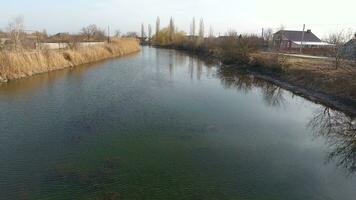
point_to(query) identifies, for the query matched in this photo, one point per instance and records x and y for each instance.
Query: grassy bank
(23, 63)
(316, 79)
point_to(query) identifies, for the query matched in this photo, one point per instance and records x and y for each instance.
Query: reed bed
(23, 63)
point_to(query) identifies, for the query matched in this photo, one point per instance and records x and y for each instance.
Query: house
(287, 40)
(349, 49)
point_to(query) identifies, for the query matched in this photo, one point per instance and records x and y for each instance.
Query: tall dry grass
(19, 64)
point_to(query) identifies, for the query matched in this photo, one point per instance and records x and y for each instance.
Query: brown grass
(15, 65)
(315, 74)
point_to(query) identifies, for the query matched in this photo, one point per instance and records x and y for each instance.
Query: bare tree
(158, 25)
(268, 36)
(201, 28)
(143, 32)
(211, 32)
(149, 33)
(89, 31)
(93, 32)
(337, 40)
(117, 33)
(192, 28)
(339, 131)
(16, 30)
(171, 29)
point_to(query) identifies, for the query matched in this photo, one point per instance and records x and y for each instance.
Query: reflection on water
(337, 128)
(272, 94)
(32, 83)
(340, 133)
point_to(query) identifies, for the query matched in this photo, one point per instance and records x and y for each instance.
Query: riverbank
(315, 79)
(20, 64)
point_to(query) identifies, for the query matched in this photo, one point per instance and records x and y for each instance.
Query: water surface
(164, 125)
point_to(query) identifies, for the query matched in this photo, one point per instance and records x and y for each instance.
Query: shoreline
(344, 105)
(18, 65)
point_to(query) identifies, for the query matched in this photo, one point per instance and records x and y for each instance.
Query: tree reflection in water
(232, 78)
(338, 128)
(340, 133)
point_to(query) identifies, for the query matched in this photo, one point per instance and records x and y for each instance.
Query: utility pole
(263, 32)
(302, 40)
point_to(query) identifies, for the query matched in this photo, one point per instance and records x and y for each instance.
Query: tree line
(233, 47)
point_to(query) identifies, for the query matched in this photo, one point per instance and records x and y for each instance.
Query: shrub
(274, 62)
(236, 49)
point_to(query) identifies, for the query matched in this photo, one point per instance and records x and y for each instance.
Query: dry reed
(15, 65)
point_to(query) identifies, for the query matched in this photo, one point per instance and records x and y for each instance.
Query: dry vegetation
(22, 63)
(313, 74)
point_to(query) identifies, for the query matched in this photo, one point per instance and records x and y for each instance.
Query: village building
(349, 49)
(288, 40)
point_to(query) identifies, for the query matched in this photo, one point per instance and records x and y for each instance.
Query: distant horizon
(244, 17)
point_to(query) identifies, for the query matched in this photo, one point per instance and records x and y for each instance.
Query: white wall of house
(297, 44)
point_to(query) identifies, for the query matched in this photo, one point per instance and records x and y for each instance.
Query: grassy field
(23, 63)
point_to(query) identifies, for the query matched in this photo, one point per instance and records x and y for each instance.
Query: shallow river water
(161, 124)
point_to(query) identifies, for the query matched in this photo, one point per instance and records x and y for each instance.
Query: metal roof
(297, 36)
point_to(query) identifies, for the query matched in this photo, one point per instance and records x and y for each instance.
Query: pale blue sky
(322, 16)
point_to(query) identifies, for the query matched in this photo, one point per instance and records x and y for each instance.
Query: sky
(248, 16)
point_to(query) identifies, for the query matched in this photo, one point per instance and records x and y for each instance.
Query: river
(161, 124)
